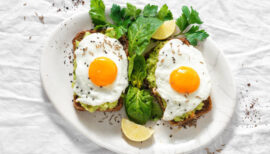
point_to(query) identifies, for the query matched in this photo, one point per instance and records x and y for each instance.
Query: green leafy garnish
(137, 70)
(97, 12)
(116, 32)
(182, 22)
(150, 10)
(138, 105)
(164, 13)
(156, 112)
(194, 37)
(189, 17)
(131, 11)
(117, 14)
(140, 33)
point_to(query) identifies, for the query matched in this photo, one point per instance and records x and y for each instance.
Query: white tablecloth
(30, 124)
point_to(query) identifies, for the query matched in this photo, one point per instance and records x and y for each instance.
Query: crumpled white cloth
(29, 123)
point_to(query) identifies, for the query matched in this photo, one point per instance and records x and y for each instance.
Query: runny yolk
(184, 80)
(102, 71)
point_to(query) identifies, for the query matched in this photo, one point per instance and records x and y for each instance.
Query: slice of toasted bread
(78, 37)
(191, 121)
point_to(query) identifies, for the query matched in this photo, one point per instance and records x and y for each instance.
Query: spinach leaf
(97, 12)
(164, 13)
(150, 10)
(140, 33)
(137, 70)
(156, 112)
(138, 104)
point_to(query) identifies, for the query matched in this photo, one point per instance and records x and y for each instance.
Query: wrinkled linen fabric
(29, 124)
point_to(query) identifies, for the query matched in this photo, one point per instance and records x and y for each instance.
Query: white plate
(56, 82)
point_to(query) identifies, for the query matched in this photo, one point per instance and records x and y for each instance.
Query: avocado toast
(188, 118)
(106, 107)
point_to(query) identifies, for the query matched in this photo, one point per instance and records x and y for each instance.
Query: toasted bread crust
(79, 36)
(191, 121)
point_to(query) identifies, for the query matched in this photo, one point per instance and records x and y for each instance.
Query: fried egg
(101, 70)
(182, 78)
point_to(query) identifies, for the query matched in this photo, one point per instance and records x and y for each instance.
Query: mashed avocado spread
(151, 65)
(90, 108)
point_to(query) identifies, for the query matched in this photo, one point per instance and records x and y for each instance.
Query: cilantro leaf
(194, 37)
(97, 12)
(140, 33)
(164, 13)
(150, 10)
(131, 11)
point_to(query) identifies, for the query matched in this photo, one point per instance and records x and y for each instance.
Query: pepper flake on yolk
(102, 71)
(184, 80)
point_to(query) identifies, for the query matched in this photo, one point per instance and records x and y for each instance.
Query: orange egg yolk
(102, 71)
(184, 80)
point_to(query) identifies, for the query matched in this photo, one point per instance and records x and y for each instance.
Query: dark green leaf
(137, 70)
(156, 112)
(97, 12)
(150, 10)
(140, 33)
(164, 13)
(116, 14)
(186, 11)
(193, 38)
(182, 22)
(194, 17)
(193, 29)
(138, 105)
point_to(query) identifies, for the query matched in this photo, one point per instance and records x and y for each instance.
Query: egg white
(171, 56)
(93, 46)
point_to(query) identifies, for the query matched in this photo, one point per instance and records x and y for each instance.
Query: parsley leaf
(150, 10)
(194, 17)
(194, 37)
(140, 33)
(131, 11)
(189, 17)
(182, 22)
(97, 12)
(164, 13)
(116, 14)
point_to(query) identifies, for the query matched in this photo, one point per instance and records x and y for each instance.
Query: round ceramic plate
(105, 128)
